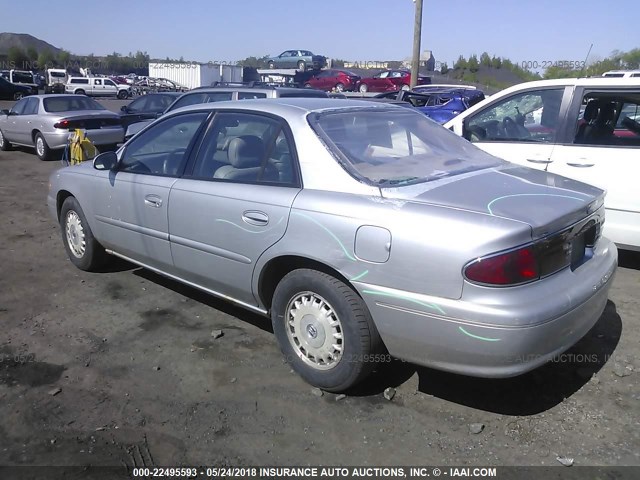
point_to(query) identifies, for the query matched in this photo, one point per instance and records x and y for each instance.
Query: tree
(460, 64)
(485, 59)
(64, 58)
(17, 58)
(496, 62)
(32, 53)
(473, 64)
(45, 60)
(444, 68)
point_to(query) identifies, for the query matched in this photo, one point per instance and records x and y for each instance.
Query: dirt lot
(121, 368)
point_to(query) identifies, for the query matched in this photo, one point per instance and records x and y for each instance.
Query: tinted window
(609, 119)
(524, 117)
(110, 83)
(139, 104)
(22, 77)
(304, 92)
(19, 107)
(80, 80)
(67, 104)
(393, 147)
(202, 97)
(31, 107)
(246, 148)
(161, 150)
(250, 95)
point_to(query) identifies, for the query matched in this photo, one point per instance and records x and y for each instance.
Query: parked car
(440, 86)
(300, 59)
(45, 121)
(540, 124)
(12, 91)
(146, 107)
(362, 230)
(622, 74)
(389, 81)
(24, 78)
(222, 93)
(56, 80)
(97, 87)
(333, 79)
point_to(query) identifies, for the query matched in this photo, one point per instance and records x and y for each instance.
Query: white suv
(583, 128)
(97, 87)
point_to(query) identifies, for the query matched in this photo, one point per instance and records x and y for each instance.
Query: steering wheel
(172, 162)
(510, 127)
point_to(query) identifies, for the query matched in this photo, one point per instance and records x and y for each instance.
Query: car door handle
(253, 217)
(580, 165)
(535, 160)
(153, 201)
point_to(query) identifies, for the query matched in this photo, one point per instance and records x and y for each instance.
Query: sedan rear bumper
(103, 136)
(446, 335)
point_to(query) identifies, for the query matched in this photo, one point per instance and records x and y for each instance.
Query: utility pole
(417, 35)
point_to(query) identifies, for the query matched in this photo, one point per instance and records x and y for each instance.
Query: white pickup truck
(97, 87)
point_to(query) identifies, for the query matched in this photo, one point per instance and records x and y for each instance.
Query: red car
(390, 80)
(341, 80)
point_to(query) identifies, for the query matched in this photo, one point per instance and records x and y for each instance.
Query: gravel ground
(121, 368)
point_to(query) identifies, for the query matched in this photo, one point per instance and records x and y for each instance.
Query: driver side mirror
(5, 112)
(106, 161)
(124, 108)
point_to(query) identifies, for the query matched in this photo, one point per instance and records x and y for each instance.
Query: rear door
(607, 155)
(522, 127)
(233, 202)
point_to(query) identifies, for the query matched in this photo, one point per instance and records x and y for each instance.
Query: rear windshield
(391, 146)
(203, 97)
(70, 104)
(58, 74)
(304, 92)
(22, 77)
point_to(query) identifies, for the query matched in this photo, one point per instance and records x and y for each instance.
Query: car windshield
(391, 147)
(70, 104)
(58, 74)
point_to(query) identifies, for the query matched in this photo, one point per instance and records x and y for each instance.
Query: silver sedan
(363, 231)
(45, 121)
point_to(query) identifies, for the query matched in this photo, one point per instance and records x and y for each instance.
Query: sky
(354, 30)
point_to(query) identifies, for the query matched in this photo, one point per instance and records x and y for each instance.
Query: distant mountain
(25, 41)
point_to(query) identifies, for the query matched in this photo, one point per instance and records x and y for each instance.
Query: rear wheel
(363, 88)
(324, 329)
(5, 146)
(405, 87)
(42, 149)
(83, 249)
(272, 65)
(79, 92)
(302, 66)
(18, 95)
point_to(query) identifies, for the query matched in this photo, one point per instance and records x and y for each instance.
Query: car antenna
(584, 65)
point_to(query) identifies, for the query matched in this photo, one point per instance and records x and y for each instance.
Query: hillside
(24, 42)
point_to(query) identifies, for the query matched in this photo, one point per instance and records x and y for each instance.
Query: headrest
(608, 112)
(282, 146)
(591, 110)
(246, 151)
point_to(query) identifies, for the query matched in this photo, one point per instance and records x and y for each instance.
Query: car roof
(288, 105)
(245, 89)
(581, 82)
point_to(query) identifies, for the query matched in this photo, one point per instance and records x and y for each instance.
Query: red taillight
(61, 124)
(511, 268)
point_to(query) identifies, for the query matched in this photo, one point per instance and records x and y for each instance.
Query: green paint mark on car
(477, 337)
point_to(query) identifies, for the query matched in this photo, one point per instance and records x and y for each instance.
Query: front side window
(202, 97)
(246, 148)
(393, 147)
(19, 107)
(524, 117)
(139, 104)
(161, 149)
(110, 83)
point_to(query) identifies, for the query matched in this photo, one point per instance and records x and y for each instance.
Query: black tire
(18, 96)
(5, 146)
(302, 66)
(79, 92)
(122, 94)
(272, 65)
(92, 256)
(360, 341)
(363, 88)
(340, 87)
(42, 151)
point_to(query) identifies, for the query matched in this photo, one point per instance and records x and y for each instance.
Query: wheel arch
(276, 268)
(34, 132)
(60, 198)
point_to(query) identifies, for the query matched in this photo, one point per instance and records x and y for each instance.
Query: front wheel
(340, 87)
(363, 88)
(5, 146)
(324, 329)
(79, 92)
(405, 87)
(18, 95)
(122, 94)
(83, 249)
(272, 65)
(302, 66)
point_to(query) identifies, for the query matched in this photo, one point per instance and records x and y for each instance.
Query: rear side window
(609, 119)
(306, 93)
(84, 81)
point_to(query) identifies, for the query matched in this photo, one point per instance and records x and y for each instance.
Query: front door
(132, 206)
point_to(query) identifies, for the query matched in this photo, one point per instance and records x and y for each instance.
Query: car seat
(585, 128)
(246, 154)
